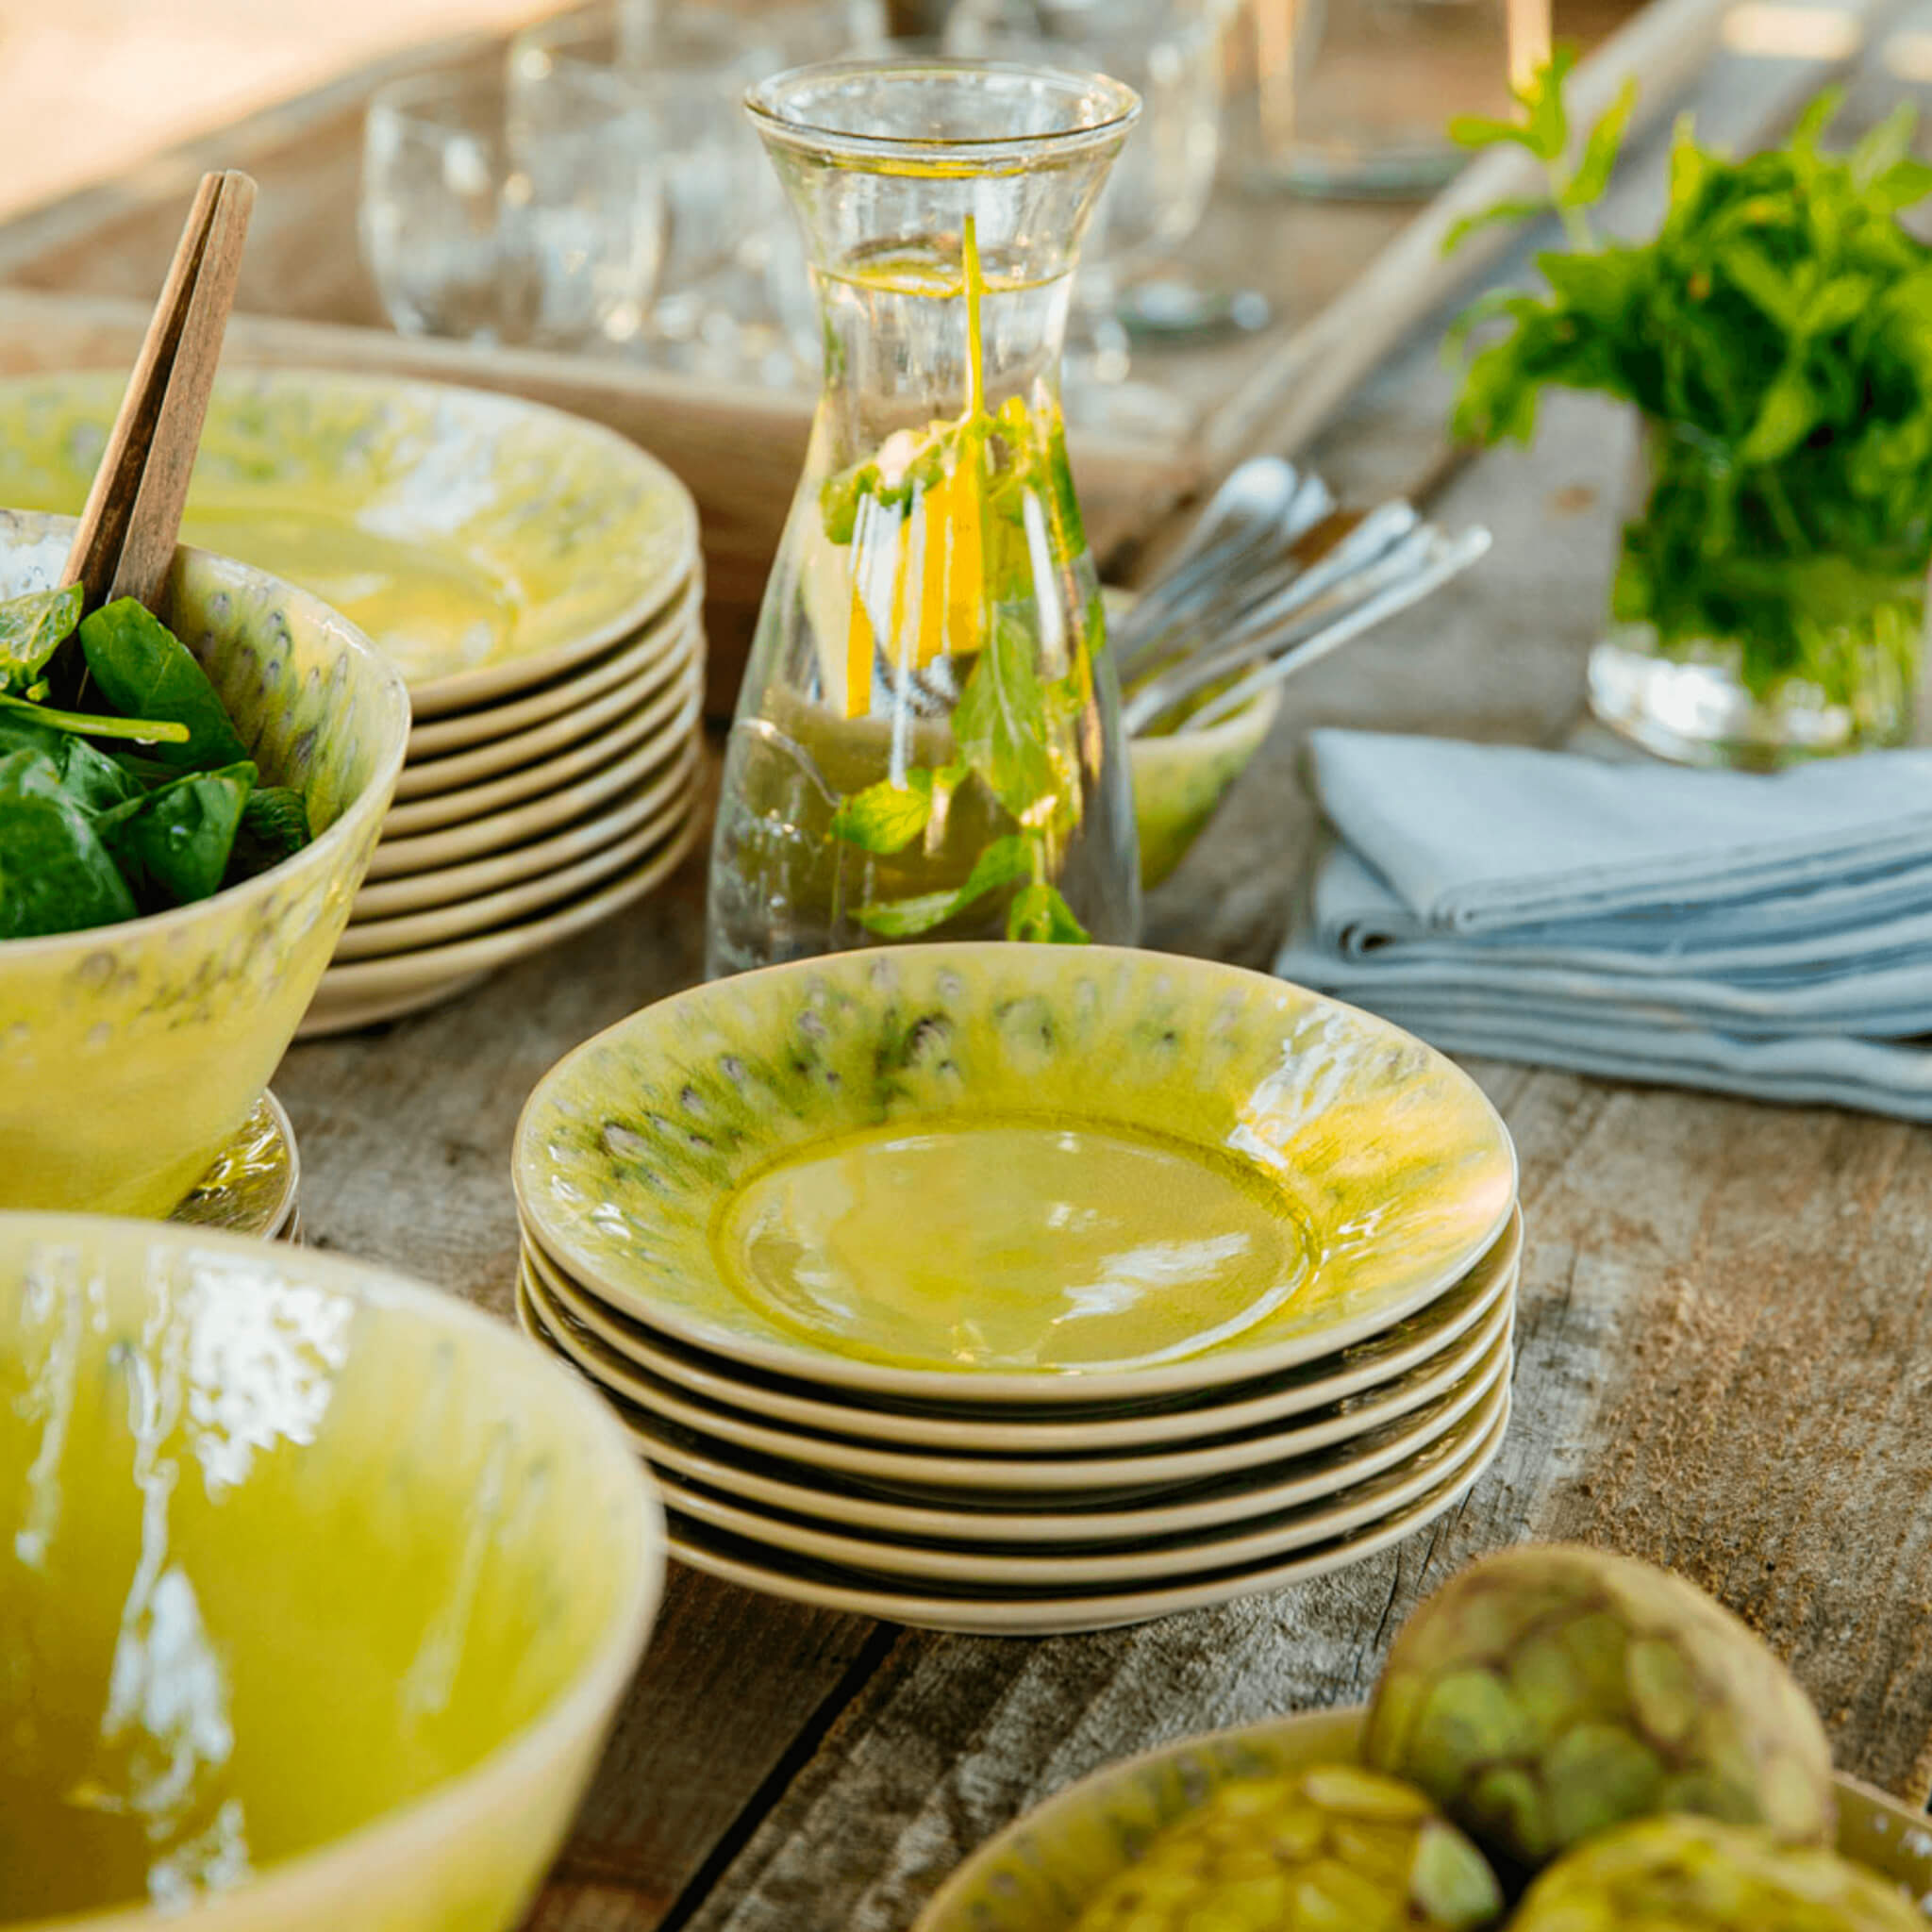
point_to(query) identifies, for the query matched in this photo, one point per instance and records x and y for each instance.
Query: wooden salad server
(132, 521)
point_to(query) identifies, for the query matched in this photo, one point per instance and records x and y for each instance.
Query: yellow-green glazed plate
(1040, 1872)
(1371, 1379)
(484, 543)
(1380, 1426)
(1014, 1612)
(130, 1054)
(321, 1586)
(251, 1187)
(997, 1173)
(1137, 1561)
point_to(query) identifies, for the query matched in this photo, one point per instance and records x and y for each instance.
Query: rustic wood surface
(1723, 1349)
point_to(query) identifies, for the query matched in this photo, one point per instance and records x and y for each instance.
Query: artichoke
(1690, 1875)
(1548, 1693)
(1331, 1849)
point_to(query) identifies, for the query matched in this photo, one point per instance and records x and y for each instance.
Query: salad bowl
(322, 1587)
(130, 1054)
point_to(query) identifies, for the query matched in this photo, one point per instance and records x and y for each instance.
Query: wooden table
(1724, 1345)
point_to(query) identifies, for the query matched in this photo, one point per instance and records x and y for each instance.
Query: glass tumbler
(532, 220)
(1353, 98)
(928, 742)
(691, 72)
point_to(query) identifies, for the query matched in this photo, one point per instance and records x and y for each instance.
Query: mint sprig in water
(94, 829)
(1004, 721)
(1775, 334)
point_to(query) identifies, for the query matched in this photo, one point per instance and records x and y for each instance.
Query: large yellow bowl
(320, 1591)
(130, 1055)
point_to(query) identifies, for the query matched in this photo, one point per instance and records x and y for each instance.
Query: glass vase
(1834, 664)
(928, 741)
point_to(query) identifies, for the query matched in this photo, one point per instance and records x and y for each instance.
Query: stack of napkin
(1759, 935)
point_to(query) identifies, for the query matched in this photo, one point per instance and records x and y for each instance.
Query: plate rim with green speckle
(627, 1144)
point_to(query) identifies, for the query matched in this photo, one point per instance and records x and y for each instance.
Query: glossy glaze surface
(296, 1626)
(466, 533)
(636, 1150)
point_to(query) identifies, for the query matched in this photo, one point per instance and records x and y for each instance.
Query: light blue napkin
(1767, 936)
(1476, 837)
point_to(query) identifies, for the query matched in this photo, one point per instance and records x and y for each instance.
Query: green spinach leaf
(93, 780)
(144, 671)
(56, 876)
(173, 843)
(31, 629)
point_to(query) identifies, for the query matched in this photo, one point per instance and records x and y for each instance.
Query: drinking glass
(691, 70)
(1353, 98)
(534, 222)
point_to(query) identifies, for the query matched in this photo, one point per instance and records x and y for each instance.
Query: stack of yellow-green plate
(536, 576)
(1026, 1288)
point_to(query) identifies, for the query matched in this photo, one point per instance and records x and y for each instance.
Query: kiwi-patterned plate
(1040, 1872)
(486, 543)
(997, 1173)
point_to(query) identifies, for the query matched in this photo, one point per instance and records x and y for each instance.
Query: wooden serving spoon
(132, 521)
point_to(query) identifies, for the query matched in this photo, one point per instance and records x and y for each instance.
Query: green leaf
(1820, 111)
(1787, 414)
(144, 671)
(31, 630)
(886, 817)
(1548, 128)
(1752, 272)
(1040, 914)
(1903, 186)
(1690, 169)
(1479, 130)
(999, 724)
(55, 873)
(173, 843)
(1606, 143)
(277, 815)
(94, 781)
(1502, 212)
(275, 826)
(1002, 862)
(149, 731)
(1884, 146)
(1837, 304)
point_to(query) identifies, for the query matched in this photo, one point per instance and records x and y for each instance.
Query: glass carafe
(928, 742)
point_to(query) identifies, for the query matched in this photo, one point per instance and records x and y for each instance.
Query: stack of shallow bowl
(1027, 1288)
(535, 578)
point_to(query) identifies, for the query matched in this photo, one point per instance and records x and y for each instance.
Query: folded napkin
(1758, 935)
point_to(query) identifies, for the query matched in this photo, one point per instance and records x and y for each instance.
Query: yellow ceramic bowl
(1180, 780)
(1038, 1875)
(321, 1590)
(131, 1053)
